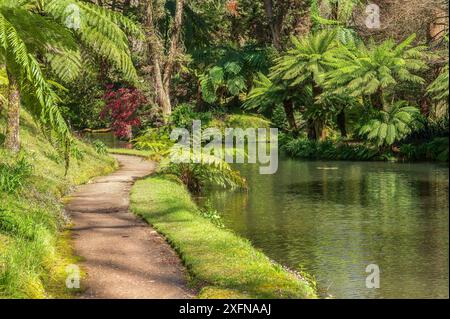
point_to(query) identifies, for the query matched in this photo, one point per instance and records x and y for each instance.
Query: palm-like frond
(265, 94)
(201, 168)
(34, 84)
(306, 60)
(100, 29)
(439, 88)
(391, 125)
(231, 71)
(35, 34)
(365, 70)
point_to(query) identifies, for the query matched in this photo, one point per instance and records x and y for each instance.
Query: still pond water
(335, 218)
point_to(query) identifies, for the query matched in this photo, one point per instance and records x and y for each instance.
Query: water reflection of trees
(336, 221)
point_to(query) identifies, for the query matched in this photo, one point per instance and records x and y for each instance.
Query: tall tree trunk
(176, 34)
(276, 41)
(163, 75)
(12, 141)
(200, 104)
(311, 130)
(155, 49)
(276, 20)
(377, 100)
(289, 110)
(321, 131)
(425, 106)
(316, 127)
(341, 123)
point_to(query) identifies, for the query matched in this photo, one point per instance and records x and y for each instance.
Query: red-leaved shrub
(121, 108)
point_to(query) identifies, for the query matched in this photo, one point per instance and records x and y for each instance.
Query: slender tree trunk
(155, 49)
(311, 130)
(276, 41)
(176, 34)
(12, 141)
(276, 20)
(320, 130)
(289, 110)
(316, 127)
(341, 123)
(377, 100)
(163, 75)
(200, 104)
(424, 106)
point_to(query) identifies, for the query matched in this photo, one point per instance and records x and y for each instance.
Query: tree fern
(101, 30)
(229, 75)
(203, 169)
(306, 60)
(391, 125)
(439, 88)
(35, 86)
(38, 28)
(374, 69)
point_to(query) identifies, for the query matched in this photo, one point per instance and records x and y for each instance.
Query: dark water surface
(335, 218)
(109, 139)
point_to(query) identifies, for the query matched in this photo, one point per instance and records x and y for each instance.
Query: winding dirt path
(122, 255)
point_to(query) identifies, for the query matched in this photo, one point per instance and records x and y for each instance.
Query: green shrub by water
(100, 147)
(329, 150)
(436, 150)
(183, 115)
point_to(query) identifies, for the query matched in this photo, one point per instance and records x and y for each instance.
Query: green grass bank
(221, 264)
(34, 248)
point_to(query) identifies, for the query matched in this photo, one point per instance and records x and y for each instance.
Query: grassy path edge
(220, 263)
(35, 243)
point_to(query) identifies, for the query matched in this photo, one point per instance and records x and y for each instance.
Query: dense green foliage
(309, 68)
(329, 150)
(391, 125)
(335, 88)
(201, 170)
(33, 29)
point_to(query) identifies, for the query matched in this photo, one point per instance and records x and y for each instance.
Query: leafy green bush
(436, 150)
(428, 129)
(100, 147)
(328, 150)
(156, 141)
(246, 121)
(203, 169)
(13, 175)
(183, 115)
(391, 125)
(279, 118)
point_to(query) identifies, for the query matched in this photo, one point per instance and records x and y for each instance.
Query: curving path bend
(122, 255)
